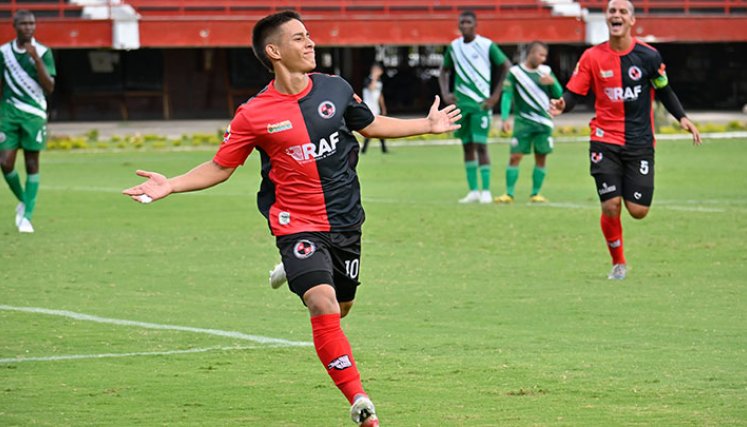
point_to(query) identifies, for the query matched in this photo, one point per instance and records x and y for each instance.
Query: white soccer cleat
(471, 197)
(25, 226)
(277, 276)
(20, 210)
(618, 272)
(363, 412)
(486, 197)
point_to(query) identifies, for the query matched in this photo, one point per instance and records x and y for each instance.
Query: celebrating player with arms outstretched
(302, 125)
(624, 74)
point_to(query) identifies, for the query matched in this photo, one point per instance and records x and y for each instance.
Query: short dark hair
(468, 13)
(265, 28)
(20, 14)
(535, 43)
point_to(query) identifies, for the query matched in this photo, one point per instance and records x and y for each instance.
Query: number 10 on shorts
(352, 267)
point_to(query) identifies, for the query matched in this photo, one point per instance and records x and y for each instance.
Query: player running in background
(529, 86)
(302, 125)
(27, 75)
(472, 58)
(373, 96)
(624, 74)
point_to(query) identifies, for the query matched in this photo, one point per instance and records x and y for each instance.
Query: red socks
(613, 234)
(334, 351)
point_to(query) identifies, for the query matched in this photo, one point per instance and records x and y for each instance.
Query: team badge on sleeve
(227, 134)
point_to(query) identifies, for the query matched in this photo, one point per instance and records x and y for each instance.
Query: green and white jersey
(472, 64)
(531, 99)
(21, 87)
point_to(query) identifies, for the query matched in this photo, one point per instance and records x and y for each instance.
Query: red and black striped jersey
(623, 84)
(308, 152)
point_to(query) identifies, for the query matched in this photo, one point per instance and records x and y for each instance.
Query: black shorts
(623, 171)
(316, 258)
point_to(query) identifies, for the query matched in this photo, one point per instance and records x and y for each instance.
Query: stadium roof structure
(131, 24)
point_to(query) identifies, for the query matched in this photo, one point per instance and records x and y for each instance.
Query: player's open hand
(444, 120)
(689, 126)
(557, 106)
(156, 187)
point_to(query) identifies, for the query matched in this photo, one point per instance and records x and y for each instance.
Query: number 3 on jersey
(352, 267)
(484, 122)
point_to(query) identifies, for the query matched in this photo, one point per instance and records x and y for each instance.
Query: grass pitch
(468, 315)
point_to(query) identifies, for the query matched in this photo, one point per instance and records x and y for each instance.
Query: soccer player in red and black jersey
(625, 75)
(301, 124)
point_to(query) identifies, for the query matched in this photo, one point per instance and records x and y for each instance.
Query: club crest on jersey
(596, 157)
(326, 109)
(279, 127)
(304, 249)
(606, 74)
(634, 73)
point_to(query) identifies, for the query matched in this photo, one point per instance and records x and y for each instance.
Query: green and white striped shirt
(531, 98)
(472, 63)
(21, 87)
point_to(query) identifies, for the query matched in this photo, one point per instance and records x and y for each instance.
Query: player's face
(296, 47)
(537, 56)
(467, 26)
(620, 18)
(25, 28)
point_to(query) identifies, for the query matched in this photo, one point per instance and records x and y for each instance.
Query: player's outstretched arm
(438, 121)
(158, 186)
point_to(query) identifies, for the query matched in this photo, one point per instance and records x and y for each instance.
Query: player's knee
(611, 207)
(321, 300)
(515, 159)
(345, 308)
(638, 212)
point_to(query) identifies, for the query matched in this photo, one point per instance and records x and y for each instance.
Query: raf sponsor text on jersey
(309, 151)
(618, 94)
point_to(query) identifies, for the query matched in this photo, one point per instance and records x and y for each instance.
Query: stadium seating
(335, 7)
(41, 8)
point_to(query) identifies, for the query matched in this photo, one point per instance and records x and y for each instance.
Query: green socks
(512, 175)
(538, 176)
(14, 182)
(471, 169)
(29, 196)
(485, 176)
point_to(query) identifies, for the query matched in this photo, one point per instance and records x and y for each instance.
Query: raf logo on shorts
(304, 249)
(596, 157)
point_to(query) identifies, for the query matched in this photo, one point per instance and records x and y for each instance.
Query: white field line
(217, 332)
(111, 355)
